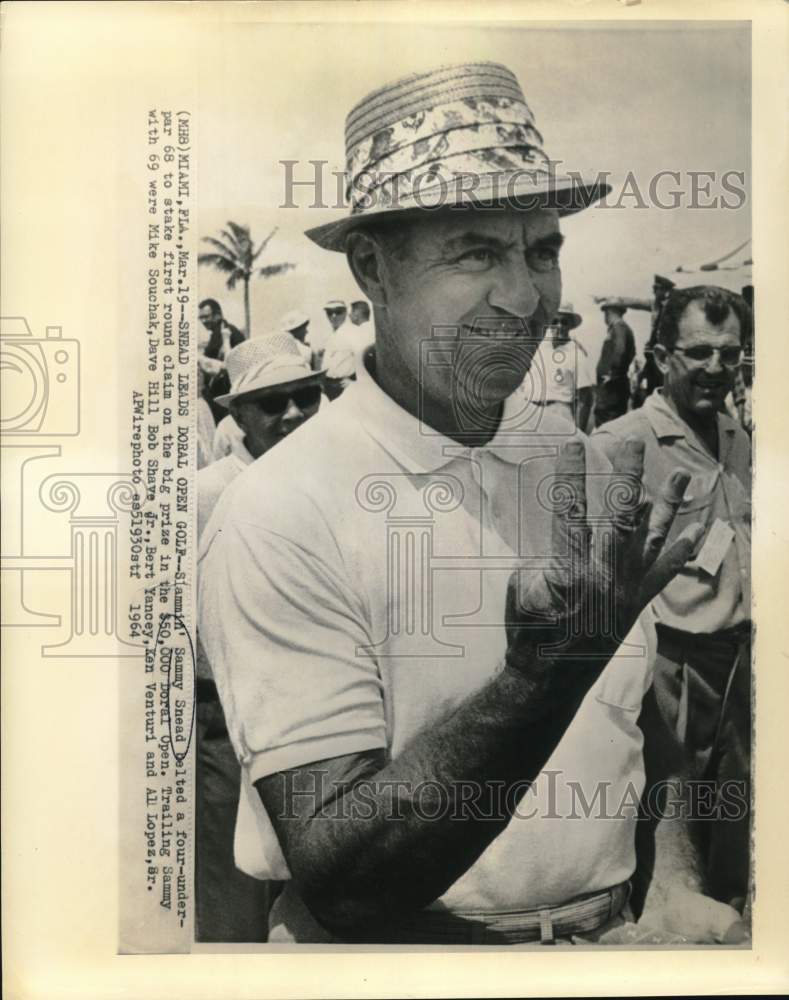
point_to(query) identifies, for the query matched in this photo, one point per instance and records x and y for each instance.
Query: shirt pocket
(696, 508)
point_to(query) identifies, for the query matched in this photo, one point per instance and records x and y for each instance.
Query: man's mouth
(509, 329)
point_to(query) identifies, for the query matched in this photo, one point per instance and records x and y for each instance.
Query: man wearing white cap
(562, 375)
(272, 392)
(297, 324)
(423, 661)
(342, 355)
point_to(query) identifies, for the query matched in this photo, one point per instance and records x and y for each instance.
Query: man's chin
(708, 402)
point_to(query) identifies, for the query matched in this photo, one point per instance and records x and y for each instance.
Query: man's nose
(714, 365)
(514, 289)
(292, 414)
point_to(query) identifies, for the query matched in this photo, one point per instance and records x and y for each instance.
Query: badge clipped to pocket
(716, 545)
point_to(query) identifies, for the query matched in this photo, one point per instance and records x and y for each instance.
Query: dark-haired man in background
(703, 669)
(223, 338)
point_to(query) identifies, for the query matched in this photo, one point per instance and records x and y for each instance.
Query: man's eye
(476, 260)
(542, 258)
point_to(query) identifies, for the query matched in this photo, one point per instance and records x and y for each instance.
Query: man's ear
(365, 260)
(237, 415)
(661, 358)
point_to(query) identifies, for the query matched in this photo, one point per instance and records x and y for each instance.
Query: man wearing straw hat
(273, 391)
(404, 604)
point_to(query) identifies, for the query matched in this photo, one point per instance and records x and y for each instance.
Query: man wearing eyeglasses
(703, 670)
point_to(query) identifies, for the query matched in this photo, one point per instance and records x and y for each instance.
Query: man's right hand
(583, 607)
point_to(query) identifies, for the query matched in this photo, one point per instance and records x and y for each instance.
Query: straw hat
(454, 135)
(263, 362)
(566, 309)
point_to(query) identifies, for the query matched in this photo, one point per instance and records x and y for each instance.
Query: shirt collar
(667, 423)
(239, 450)
(419, 448)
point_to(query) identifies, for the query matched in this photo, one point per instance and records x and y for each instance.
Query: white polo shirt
(351, 594)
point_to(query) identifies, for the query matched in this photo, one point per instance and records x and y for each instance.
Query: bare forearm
(398, 838)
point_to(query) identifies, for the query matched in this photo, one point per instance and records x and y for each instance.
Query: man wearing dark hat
(619, 348)
(648, 376)
(401, 595)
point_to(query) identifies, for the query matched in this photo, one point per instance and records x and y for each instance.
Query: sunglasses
(335, 312)
(702, 353)
(276, 404)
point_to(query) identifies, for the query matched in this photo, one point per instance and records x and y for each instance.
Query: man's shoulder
(309, 473)
(729, 425)
(632, 424)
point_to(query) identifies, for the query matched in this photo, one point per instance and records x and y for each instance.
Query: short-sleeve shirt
(213, 480)
(697, 600)
(352, 587)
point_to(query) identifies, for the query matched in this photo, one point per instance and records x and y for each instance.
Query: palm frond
(217, 260)
(264, 244)
(271, 269)
(223, 248)
(241, 234)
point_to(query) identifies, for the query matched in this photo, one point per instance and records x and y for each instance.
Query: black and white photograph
(474, 602)
(392, 559)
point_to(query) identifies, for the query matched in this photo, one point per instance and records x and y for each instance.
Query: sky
(624, 98)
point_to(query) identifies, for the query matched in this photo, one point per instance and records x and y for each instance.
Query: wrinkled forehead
(507, 225)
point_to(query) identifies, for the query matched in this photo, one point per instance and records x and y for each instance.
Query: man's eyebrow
(468, 239)
(551, 241)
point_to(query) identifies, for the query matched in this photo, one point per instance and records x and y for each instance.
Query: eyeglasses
(335, 312)
(276, 404)
(701, 354)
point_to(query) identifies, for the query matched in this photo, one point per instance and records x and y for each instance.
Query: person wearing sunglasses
(273, 391)
(703, 668)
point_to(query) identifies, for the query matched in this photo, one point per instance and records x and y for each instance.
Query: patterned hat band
(456, 135)
(431, 142)
(466, 178)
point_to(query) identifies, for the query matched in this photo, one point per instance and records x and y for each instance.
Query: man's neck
(442, 416)
(704, 427)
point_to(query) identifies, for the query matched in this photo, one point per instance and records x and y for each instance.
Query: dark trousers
(703, 690)
(611, 399)
(231, 906)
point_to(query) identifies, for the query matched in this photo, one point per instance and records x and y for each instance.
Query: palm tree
(235, 256)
